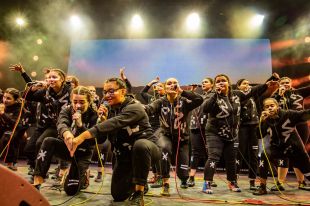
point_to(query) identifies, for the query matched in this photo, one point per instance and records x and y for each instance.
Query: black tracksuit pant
(198, 147)
(248, 149)
(169, 151)
(52, 146)
(291, 150)
(13, 153)
(216, 147)
(105, 148)
(132, 167)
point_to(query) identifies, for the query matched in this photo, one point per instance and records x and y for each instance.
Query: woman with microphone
(173, 110)
(73, 120)
(223, 108)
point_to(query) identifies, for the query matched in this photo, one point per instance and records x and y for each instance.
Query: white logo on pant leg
(212, 164)
(261, 163)
(237, 162)
(41, 155)
(102, 156)
(165, 156)
(281, 162)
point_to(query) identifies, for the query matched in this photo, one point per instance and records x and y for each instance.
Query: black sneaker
(184, 184)
(278, 187)
(38, 187)
(99, 177)
(30, 171)
(136, 198)
(252, 185)
(206, 187)
(165, 191)
(158, 183)
(191, 181)
(261, 190)
(213, 184)
(233, 186)
(304, 186)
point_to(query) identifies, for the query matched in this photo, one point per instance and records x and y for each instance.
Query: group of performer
(174, 126)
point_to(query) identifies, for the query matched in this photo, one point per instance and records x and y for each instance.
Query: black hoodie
(126, 123)
(224, 112)
(174, 116)
(282, 128)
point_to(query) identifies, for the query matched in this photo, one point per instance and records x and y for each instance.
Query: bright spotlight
(20, 21)
(75, 21)
(307, 39)
(136, 22)
(39, 41)
(257, 20)
(35, 58)
(193, 22)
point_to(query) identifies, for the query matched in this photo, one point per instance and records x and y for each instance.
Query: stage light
(76, 22)
(307, 39)
(33, 74)
(35, 58)
(193, 22)
(257, 20)
(20, 21)
(136, 22)
(39, 41)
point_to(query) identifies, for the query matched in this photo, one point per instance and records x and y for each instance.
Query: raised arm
(20, 68)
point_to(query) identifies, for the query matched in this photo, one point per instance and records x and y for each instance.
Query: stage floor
(191, 196)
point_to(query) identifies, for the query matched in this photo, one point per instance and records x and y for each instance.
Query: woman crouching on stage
(128, 129)
(73, 120)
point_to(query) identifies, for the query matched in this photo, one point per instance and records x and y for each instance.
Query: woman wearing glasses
(127, 127)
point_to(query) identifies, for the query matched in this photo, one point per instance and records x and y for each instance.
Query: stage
(191, 196)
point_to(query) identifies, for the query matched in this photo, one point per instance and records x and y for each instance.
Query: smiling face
(113, 94)
(286, 83)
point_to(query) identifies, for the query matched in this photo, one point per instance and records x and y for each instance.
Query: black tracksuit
(174, 130)
(53, 146)
(285, 142)
(197, 135)
(154, 118)
(7, 122)
(294, 99)
(50, 105)
(222, 129)
(248, 140)
(130, 133)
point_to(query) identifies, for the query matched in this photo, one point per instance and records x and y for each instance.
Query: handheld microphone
(106, 104)
(35, 83)
(195, 85)
(74, 121)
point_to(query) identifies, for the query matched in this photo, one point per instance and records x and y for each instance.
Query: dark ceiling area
(110, 17)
